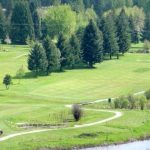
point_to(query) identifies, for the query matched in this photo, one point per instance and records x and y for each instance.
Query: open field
(42, 100)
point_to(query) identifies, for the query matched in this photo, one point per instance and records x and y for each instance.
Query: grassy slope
(47, 95)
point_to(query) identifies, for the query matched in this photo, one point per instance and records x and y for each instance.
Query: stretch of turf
(42, 100)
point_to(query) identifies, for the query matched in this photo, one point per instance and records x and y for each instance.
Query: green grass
(136, 47)
(39, 100)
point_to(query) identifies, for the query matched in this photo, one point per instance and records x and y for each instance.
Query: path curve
(117, 115)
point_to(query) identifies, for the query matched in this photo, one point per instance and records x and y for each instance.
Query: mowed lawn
(39, 100)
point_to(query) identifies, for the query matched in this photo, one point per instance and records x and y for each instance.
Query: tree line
(23, 20)
(106, 37)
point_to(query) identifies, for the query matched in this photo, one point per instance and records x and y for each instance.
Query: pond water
(140, 145)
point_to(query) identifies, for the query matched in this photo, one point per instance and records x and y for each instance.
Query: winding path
(117, 115)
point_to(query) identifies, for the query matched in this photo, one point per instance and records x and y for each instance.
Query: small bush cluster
(130, 102)
(147, 94)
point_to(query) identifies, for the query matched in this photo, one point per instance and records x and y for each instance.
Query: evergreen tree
(74, 55)
(21, 23)
(92, 44)
(3, 31)
(36, 20)
(62, 44)
(9, 7)
(146, 31)
(135, 35)
(52, 54)
(37, 60)
(110, 36)
(123, 32)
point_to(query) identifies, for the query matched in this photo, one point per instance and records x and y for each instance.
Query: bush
(147, 94)
(121, 102)
(125, 103)
(117, 103)
(147, 46)
(142, 102)
(132, 100)
(7, 80)
(77, 112)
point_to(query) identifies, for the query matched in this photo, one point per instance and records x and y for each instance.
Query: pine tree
(37, 60)
(75, 54)
(123, 32)
(36, 20)
(92, 44)
(52, 54)
(146, 31)
(21, 23)
(135, 35)
(62, 45)
(10, 5)
(110, 36)
(3, 31)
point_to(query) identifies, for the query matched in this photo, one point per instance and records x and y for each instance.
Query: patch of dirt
(87, 135)
(39, 125)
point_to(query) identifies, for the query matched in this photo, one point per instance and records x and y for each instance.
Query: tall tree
(92, 44)
(146, 31)
(37, 60)
(135, 35)
(3, 31)
(52, 54)
(74, 54)
(110, 36)
(62, 44)
(36, 20)
(123, 32)
(60, 20)
(21, 23)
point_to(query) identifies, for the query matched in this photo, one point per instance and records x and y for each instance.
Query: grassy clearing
(136, 47)
(38, 100)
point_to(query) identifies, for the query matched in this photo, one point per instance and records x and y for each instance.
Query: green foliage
(147, 46)
(75, 53)
(62, 45)
(92, 44)
(147, 94)
(146, 31)
(52, 54)
(37, 60)
(121, 102)
(142, 102)
(21, 23)
(36, 20)
(123, 32)
(3, 30)
(110, 36)
(7, 81)
(60, 19)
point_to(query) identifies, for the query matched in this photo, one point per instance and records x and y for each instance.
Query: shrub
(147, 94)
(132, 101)
(125, 103)
(77, 112)
(121, 102)
(7, 81)
(142, 102)
(117, 103)
(147, 46)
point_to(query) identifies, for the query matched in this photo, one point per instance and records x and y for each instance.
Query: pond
(139, 145)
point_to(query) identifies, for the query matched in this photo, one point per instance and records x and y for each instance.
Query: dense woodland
(73, 33)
